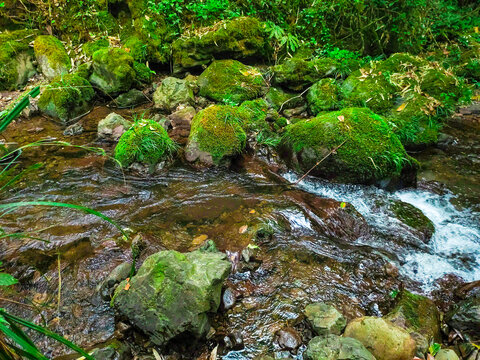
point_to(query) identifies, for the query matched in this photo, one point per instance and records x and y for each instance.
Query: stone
(171, 93)
(334, 347)
(324, 95)
(446, 354)
(120, 273)
(74, 129)
(130, 99)
(325, 319)
(52, 58)
(288, 339)
(112, 127)
(383, 339)
(173, 293)
(280, 99)
(228, 298)
(465, 317)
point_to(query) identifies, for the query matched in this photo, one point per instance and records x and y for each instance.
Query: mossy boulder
(173, 294)
(253, 115)
(145, 142)
(367, 150)
(420, 317)
(325, 319)
(324, 95)
(113, 71)
(143, 74)
(52, 58)
(16, 59)
(171, 93)
(371, 88)
(241, 39)
(131, 99)
(401, 62)
(216, 134)
(66, 97)
(90, 48)
(281, 100)
(441, 84)
(414, 218)
(334, 347)
(296, 74)
(383, 339)
(231, 82)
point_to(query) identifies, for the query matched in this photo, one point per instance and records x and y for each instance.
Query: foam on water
(454, 247)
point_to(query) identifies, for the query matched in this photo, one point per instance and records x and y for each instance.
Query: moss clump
(296, 74)
(240, 38)
(91, 47)
(253, 114)
(277, 98)
(15, 59)
(413, 217)
(136, 48)
(441, 84)
(66, 97)
(323, 95)
(231, 82)
(143, 74)
(51, 55)
(401, 62)
(218, 131)
(84, 70)
(113, 71)
(145, 142)
(370, 150)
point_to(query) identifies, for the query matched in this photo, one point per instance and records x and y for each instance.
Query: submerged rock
(66, 97)
(414, 218)
(171, 93)
(288, 338)
(325, 319)
(52, 58)
(231, 82)
(173, 293)
(112, 127)
(16, 59)
(383, 339)
(333, 347)
(368, 150)
(113, 71)
(240, 38)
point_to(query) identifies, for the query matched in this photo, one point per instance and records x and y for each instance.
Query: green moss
(323, 95)
(145, 142)
(143, 74)
(401, 62)
(113, 71)
(149, 39)
(253, 114)
(91, 47)
(53, 49)
(278, 98)
(441, 85)
(135, 47)
(84, 70)
(413, 217)
(370, 150)
(15, 52)
(231, 82)
(218, 131)
(66, 97)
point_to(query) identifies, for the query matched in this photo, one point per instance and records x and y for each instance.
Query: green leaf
(434, 349)
(7, 279)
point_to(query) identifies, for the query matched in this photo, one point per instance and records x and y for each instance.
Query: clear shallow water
(454, 247)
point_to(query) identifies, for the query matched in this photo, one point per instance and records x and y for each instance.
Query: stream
(317, 241)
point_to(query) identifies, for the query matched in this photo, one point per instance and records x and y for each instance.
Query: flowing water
(317, 241)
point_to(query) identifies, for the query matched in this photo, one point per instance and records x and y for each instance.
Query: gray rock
(112, 127)
(171, 93)
(446, 354)
(228, 298)
(74, 129)
(120, 273)
(465, 317)
(130, 99)
(334, 347)
(193, 153)
(173, 293)
(325, 319)
(288, 339)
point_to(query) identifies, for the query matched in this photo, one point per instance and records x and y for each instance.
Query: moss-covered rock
(143, 74)
(441, 84)
(52, 58)
(420, 317)
(16, 56)
(136, 48)
(401, 62)
(464, 316)
(171, 93)
(84, 70)
(146, 142)
(296, 74)
(323, 95)
(231, 82)
(90, 48)
(254, 116)
(66, 97)
(216, 133)
(280, 99)
(368, 149)
(241, 38)
(325, 319)
(414, 218)
(113, 71)
(173, 293)
(334, 347)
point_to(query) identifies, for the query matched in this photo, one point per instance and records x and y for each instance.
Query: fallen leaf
(402, 107)
(243, 229)
(199, 239)
(343, 205)
(213, 355)
(341, 118)
(252, 211)
(477, 29)
(127, 286)
(127, 50)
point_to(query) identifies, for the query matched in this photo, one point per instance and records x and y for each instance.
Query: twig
(319, 162)
(59, 283)
(17, 303)
(299, 95)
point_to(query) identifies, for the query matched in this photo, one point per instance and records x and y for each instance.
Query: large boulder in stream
(173, 293)
(358, 147)
(334, 347)
(383, 339)
(52, 58)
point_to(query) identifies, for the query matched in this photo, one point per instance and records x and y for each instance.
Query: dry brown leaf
(199, 239)
(402, 107)
(341, 118)
(243, 229)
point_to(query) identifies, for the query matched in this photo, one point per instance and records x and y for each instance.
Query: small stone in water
(288, 338)
(228, 298)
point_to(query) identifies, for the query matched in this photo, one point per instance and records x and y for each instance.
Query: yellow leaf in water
(341, 118)
(243, 229)
(252, 211)
(200, 239)
(402, 107)
(343, 204)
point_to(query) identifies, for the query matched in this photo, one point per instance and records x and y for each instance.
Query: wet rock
(288, 339)
(130, 99)
(325, 319)
(113, 71)
(240, 38)
(231, 82)
(297, 111)
(383, 339)
(228, 298)
(234, 341)
(151, 302)
(52, 58)
(446, 354)
(74, 129)
(465, 317)
(414, 218)
(115, 351)
(181, 121)
(112, 127)
(420, 317)
(333, 347)
(171, 93)
(120, 273)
